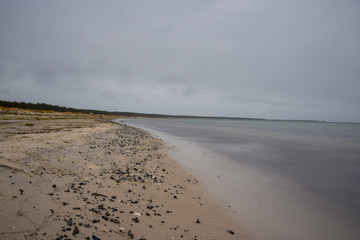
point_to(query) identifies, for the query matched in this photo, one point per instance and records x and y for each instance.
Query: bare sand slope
(89, 179)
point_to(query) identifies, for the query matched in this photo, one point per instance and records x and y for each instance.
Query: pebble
(76, 231)
(19, 213)
(230, 232)
(95, 237)
(69, 222)
(130, 234)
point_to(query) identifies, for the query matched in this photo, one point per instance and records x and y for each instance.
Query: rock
(135, 219)
(75, 231)
(230, 232)
(19, 213)
(95, 237)
(130, 234)
(101, 206)
(197, 220)
(69, 222)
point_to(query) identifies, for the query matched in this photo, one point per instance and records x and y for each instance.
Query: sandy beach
(76, 178)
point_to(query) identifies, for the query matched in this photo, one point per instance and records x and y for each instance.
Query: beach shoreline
(89, 178)
(267, 205)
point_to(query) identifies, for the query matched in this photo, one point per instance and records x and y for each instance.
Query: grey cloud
(284, 59)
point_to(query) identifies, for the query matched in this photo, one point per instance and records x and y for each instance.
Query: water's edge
(264, 204)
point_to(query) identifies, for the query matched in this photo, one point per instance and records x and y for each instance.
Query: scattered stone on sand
(106, 181)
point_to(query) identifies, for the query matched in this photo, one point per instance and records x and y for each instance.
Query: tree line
(56, 108)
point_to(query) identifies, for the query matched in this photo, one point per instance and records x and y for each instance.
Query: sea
(279, 179)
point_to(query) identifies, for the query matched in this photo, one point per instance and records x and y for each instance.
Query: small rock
(95, 237)
(76, 231)
(130, 234)
(197, 220)
(230, 232)
(69, 222)
(19, 213)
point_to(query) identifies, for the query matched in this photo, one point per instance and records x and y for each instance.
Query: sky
(279, 59)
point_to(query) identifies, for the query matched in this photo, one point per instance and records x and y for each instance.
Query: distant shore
(76, 178)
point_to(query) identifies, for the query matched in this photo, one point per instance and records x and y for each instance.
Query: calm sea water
(318, 158)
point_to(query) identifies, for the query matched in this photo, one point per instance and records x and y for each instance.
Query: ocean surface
(284, 179)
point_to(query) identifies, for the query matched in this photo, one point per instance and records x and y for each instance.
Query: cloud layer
(278, 59)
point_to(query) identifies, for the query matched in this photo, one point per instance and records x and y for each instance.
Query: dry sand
(94, 179)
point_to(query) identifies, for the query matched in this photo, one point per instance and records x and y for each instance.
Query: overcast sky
(283, 59)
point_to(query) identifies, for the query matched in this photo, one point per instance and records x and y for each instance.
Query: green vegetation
(56, 108)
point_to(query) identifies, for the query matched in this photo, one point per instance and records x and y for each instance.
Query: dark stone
(197, 220)
(230, 232)
(101, 206)
(69, 222)
(95, 237)
(130, 234)
(76, 231)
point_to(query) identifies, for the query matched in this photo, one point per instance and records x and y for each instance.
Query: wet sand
(94, 179)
